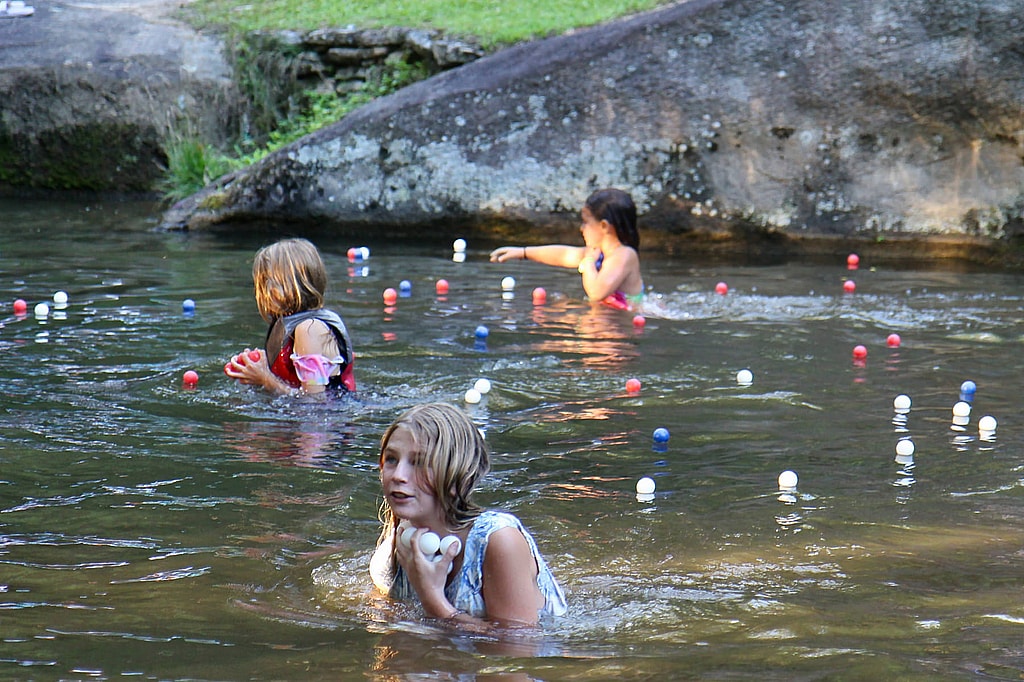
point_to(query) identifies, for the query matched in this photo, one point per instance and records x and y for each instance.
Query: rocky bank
(867, 120)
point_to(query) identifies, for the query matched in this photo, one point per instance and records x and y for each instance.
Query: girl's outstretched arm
(559, 255)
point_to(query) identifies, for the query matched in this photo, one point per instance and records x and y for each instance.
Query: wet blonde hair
(452, 458)
(289, 277)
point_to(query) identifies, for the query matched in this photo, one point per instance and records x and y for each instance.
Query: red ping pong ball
(190, 378)
(441, 287)
(254, 355)
(633, 385)
(227, 368)
(893, 340)
(722, 288)
(20, 306)
(852, 261)
(540, 296)
(639, 321)
(860, 352)
(390, 296)
(849, 286)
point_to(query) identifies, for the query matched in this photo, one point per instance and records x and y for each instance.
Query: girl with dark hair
(608, 261)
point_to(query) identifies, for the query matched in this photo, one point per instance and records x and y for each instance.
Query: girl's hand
(505, 253)
(426, 576)
(249, 367)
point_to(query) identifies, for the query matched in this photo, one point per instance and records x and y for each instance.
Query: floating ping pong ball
(661, 435)
(352, 253)
(405, 285)
(961, 409)
(788, 479)
(390, 296)
(968, 387)
(722, 288)
(987, 423)
(190, 378)
(60, 297)
(42, 310)
(447, 541)
(441, 287)
(905, 447)
(20, 306)
(540, 296)
(482, 332)
(508, 283)
(901, 402)
(187, 306)
(645, 486)
(744, 376)
(639, 321)
(364, 253)
(482, 386)
(459, 245)
(472, 396)
(633, 385)
(849, 286)
(860, 352)
(893, 340)
(853, 260)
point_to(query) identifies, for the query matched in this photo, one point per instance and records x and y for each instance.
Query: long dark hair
(618, 209)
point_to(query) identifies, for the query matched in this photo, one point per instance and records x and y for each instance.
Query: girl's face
(408, 493)
(592, 229)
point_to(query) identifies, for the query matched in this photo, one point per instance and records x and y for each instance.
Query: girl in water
(608, 261)
(469, 567)
(307, 348)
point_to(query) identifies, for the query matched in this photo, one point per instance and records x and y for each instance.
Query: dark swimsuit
(281, 341)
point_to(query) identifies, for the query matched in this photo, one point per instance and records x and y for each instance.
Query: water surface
(148, 530)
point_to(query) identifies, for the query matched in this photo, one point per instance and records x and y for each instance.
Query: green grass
(493, 22)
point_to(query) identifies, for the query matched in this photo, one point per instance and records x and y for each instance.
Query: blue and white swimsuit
(465, 591)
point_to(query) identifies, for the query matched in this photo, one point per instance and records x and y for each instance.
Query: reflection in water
(246, 522)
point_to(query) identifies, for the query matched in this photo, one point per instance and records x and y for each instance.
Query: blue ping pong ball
(661, 435)
(482, 332)
(968, 387)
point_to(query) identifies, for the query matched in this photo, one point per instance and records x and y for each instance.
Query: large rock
(857, 118)
(90, 93)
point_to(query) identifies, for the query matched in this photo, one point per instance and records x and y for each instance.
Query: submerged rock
(831, 118)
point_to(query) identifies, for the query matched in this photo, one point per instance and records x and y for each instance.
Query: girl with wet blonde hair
(307, 349)
(486, 569)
